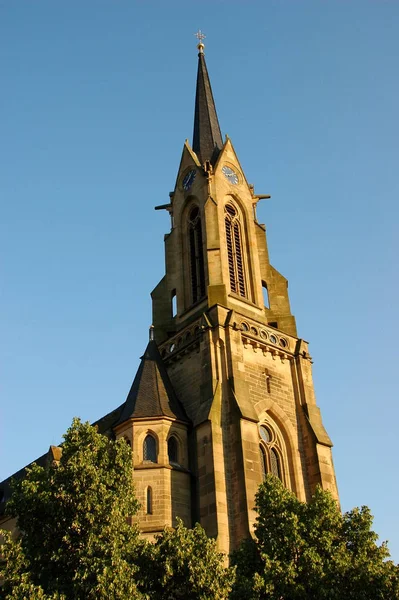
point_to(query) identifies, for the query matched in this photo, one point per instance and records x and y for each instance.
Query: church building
(224, 392)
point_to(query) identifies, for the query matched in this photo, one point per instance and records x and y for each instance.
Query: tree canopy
(312, 551)
(76, 541)
(76, 538)
(188, 565)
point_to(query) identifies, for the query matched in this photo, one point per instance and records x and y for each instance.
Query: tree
(311, 551)
(187, 565)
(75, 540)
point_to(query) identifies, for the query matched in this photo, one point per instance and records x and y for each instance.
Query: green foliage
(312, 552)
(188, 565)
(75, 540)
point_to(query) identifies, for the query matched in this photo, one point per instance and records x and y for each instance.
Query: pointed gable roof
(152, 394)
(207, 138)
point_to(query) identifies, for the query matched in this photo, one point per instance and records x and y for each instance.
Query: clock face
(189, 180)
(230, 175)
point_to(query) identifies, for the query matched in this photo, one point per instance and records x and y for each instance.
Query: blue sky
(97, 100)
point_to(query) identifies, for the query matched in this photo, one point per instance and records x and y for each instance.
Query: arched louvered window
(270, 452)
(150, 449)
(173, 450)
(149, 501)
(234, 251)
(197, 271)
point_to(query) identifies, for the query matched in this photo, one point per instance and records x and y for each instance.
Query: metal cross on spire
(200, 36)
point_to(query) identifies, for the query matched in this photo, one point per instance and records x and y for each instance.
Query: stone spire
(207, 138)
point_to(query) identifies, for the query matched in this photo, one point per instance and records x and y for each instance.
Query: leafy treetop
(312, 552)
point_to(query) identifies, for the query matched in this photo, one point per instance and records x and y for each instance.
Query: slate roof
(152, 394)
(207, 138)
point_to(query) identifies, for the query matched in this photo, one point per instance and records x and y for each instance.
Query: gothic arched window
(234, 251)
(173, 450)
(150, 449)
(196, 252)
(270, 452)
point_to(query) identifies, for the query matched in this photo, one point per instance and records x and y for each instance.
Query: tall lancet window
(234, 251)
(197, 270)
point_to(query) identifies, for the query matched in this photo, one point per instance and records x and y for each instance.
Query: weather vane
(200, 36)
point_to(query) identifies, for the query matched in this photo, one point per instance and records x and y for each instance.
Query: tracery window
(197, 271)
(150, 449)
(234, 251)
(270, 452)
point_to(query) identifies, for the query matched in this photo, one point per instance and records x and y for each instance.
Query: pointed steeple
(207, 138)
(152, 394)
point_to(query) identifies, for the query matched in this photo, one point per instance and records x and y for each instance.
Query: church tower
(228, 340)
(224, 392)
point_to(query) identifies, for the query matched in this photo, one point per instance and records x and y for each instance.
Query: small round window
(265, 434)
(244, 327)
(273, 339)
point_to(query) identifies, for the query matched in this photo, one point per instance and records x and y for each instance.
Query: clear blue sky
(97, 100)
